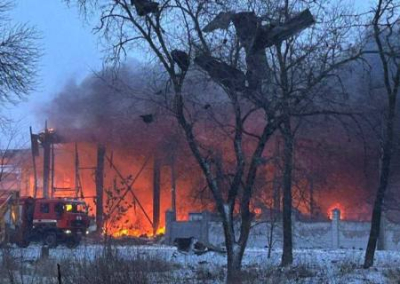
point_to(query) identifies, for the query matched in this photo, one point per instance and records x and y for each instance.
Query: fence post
(335, 228)
(204, 227)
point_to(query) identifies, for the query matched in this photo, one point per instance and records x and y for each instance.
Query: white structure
(332, 234)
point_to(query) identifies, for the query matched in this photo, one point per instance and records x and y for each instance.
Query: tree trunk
(276, 182)
(383, 183)
(276, 196)
(287, 253)
(312, 203)
(234, 265)
(234, 252)
(271, 233)
(234, 249)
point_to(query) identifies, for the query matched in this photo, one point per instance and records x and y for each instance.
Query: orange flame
(135, 233)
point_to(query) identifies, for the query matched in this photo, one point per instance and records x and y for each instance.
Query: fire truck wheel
(50, 239)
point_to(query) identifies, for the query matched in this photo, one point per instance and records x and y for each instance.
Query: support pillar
(156, 194)
(99, 179)
(335, 228)
(169, 226)
(46, 163)
(205, 220)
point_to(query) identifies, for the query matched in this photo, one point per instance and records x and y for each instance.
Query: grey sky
(70, 51)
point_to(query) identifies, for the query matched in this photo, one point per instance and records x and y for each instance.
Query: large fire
(129, 179)
(328, 169)
(133, 216)
(131, 210)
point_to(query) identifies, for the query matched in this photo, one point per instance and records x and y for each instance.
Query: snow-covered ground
(310, 266)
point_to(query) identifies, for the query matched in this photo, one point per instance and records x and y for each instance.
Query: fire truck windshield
(75, 208)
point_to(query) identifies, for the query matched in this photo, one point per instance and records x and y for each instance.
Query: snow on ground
(310, 266)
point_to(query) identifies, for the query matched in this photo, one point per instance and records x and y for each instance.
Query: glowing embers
(160, 231)
(127, 233)
(135, 233)
(257, 211)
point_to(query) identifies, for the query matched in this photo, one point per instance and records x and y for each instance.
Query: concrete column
(169, 221)
(204, 227)
(335, 228)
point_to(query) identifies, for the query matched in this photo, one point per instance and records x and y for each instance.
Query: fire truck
(52, 221)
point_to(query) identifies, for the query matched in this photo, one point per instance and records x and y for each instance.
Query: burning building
(115, 147)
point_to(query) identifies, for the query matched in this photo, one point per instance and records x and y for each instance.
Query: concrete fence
(333, 234)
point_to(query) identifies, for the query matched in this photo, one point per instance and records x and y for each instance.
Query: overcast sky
(70, 51)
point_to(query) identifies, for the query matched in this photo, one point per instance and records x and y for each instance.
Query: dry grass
(110, 266)
(107, 267)
(392, 275)
(205, 274)
(346, 267)
(117, 265)
(14, 269)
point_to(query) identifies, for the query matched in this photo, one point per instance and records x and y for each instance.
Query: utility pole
(312, 200)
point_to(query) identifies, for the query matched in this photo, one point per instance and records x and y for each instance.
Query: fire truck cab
(51, 221)
(54, 221)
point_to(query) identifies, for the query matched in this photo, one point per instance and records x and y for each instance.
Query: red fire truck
(51, 221)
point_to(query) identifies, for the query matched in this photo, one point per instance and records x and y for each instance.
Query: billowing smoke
(110, 108)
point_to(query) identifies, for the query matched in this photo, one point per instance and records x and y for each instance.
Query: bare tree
(18, 57)
(384, 35)
(13, 159)
(304, 75)
(170, 26)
